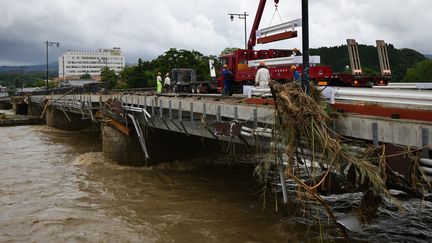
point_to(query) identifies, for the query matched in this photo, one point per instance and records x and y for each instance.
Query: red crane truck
(243, 63)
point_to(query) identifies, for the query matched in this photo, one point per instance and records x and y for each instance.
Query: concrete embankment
(18, 120)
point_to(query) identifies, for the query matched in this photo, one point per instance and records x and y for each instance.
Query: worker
(227, 78)
(296, 52)
(167, 83)
(158, 83)
(262, 76)
(295, 73)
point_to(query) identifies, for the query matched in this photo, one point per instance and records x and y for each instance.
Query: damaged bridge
(146, 128)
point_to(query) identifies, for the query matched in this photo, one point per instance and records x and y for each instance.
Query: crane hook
(276, 3)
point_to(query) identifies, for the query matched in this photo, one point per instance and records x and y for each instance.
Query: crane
(253, 34)
(242, 61)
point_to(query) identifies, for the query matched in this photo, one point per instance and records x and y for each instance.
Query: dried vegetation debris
(302, 134)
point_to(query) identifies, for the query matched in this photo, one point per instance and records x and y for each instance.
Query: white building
(4, 91)
(74, 64)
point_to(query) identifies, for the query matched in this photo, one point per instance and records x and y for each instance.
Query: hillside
(400, 59)
(53, 67)
(32, 75)
(428, 56)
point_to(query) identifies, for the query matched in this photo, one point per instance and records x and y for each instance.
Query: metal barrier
(393, 96)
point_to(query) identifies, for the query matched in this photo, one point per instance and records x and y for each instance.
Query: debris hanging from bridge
(302, 134)
(303, 118)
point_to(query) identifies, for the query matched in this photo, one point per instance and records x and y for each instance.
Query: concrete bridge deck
(192, 114)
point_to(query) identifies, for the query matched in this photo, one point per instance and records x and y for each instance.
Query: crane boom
(256, 23)
(258, 16)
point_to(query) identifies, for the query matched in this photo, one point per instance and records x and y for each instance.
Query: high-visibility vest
(159, 87)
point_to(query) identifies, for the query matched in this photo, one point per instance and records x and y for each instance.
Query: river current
(56, 186)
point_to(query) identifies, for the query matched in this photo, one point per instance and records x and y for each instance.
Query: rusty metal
(115, 106)
(380, 111)
(259, 101)
(228, 129)
(398, 161)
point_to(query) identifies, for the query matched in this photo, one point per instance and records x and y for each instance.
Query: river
(55, 186)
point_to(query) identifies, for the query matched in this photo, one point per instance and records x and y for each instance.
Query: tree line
(144, 73)
(403, 62)
(26, 79)
(407, 66)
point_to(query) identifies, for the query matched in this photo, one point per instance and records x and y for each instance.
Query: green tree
(370, 71)
(30, 79)
(121, 85)
(174, 58)
(144, 73)
(42, 83)
(229, 50)
(109, 76)
(85, 76)
(137, 77)
(420, 73)
(126, 74)
(151, 78)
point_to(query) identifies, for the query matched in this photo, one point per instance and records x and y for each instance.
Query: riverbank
(8, 119)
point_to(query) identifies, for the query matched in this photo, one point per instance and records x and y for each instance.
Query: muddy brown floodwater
(55, 186)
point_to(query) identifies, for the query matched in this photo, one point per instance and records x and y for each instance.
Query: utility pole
(63, 63)
(241, 16)
(106, 68)
(21, 79)
(49, 43)
(305, 39)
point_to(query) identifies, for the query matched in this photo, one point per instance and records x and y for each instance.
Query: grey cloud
(146, 28)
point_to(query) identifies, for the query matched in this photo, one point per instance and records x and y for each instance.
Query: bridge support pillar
(33, 109)
(162, 146)
(19, 105)
(5, 105)
(66, 120)
(125, 150)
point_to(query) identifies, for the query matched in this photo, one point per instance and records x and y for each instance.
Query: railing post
(375, 134)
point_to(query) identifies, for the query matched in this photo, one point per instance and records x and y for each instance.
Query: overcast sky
(147, 28)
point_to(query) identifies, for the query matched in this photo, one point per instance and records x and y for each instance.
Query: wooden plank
(119, 126)
(122, 128)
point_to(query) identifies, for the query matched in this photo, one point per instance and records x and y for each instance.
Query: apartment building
(74, 64)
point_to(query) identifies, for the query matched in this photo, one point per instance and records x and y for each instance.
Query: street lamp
(240, 16)
(49, 43)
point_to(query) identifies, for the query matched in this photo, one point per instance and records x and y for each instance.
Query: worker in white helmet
(262, 76)
(167, 83)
